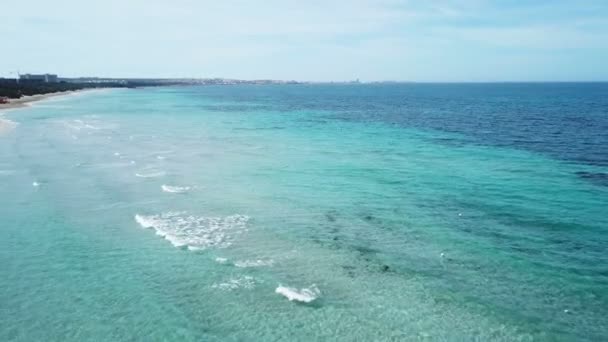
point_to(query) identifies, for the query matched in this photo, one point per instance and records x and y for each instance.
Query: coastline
(7, 125)
(27, 100)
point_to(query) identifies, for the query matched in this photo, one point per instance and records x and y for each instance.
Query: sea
(307, 212)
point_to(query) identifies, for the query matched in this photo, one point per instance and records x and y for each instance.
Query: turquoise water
(177, 213)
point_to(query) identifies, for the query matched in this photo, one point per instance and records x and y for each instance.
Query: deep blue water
(568, 121)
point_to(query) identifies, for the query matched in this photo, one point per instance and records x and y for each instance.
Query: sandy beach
(8, 125)
(26, 100)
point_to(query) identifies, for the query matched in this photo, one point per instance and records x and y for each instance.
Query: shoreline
(25, 101)
(7, 125)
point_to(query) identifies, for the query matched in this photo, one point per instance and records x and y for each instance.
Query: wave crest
(305, 295)
(150, 174)
(195, 232)
(175, 189)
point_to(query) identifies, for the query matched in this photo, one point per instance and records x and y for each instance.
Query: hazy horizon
(442, 41)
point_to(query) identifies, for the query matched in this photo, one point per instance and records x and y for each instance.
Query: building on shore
(48, 78)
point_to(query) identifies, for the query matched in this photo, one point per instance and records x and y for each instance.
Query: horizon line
(351, 81)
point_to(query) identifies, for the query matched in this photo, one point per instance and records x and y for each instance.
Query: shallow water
(401, 212)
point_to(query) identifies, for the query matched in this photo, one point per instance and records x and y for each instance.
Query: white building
(48, 78)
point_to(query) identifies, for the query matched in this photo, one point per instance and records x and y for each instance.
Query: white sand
(26, 100)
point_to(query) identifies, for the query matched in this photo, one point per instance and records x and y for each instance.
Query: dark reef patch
(330, 216)
(597, 178)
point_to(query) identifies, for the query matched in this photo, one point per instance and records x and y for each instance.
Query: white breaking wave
(221, 260)
(150, 174)
(305, 295)
(195, 232)
(254, 263)
(246, 282)
(175, 189)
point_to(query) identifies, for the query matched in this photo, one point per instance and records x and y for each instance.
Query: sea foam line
(254, 263)
(150, 174)
(305, 295)
(246, 282)
(194, 232)
(175, 189)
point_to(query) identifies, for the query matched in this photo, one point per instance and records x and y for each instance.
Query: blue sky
(443, 40)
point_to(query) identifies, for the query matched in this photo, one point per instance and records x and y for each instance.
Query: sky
(308, 40)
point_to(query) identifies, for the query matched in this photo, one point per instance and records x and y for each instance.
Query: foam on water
(194, 232)
(153, 174)
(246, 282)
(254, 263)
(175, 189)
(221, 260)
(305, 295)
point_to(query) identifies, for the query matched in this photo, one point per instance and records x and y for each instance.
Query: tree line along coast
(15, 89)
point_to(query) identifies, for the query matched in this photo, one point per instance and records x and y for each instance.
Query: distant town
(53, 78)
(37, 84)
